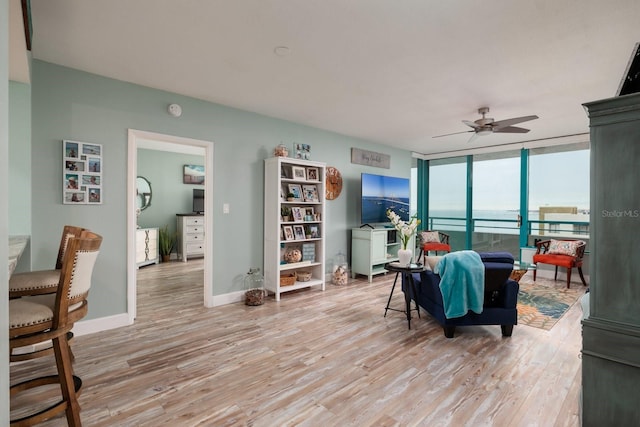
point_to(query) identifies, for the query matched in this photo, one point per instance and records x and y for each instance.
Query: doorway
(155, 141)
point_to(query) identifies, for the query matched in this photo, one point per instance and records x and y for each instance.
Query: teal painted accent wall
(169, 194)
(20, 155)
(70, 104)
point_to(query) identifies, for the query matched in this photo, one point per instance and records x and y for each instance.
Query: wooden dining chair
(38, 319)
(41, 282)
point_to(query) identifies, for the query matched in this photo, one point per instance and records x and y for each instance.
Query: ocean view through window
(556, 187)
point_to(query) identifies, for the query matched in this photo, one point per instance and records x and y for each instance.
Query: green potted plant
(166, 243)
(285, 211)
(291, 197)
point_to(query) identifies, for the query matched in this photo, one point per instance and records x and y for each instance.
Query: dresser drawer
(189, 238)
(195, 221)
(195, 229)
(195, 248)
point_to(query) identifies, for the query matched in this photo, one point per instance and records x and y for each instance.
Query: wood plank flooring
(315, 359)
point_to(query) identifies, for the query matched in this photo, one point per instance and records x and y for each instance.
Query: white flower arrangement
(406, 229)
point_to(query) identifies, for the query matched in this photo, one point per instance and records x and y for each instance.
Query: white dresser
(190, 229)
(147, 246)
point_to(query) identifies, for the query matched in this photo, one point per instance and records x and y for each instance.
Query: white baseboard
(85, 327)
(230, 298)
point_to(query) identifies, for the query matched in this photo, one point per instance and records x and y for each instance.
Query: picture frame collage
(82, 167)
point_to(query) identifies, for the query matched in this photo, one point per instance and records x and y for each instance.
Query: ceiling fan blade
(471, 124)
(509, 122)
(510, 129)
(455, 133)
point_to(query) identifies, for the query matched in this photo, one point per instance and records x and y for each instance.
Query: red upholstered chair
(561, 253)
(433, 241)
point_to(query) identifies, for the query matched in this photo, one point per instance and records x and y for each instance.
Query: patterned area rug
(543, 302)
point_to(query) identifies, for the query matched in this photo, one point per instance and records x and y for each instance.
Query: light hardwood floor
(315, 359)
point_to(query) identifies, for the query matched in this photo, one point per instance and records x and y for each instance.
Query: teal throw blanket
(461, 283)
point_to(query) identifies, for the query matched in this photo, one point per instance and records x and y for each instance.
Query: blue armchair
(500, 296)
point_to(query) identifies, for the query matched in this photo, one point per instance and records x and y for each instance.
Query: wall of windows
(507, 200)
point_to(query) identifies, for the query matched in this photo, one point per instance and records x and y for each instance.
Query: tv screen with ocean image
(379, 193)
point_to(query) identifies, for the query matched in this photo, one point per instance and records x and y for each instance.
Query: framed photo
(193, 174)
(81, 173)
(285, 171)
(298, 231)
(288, 232)
(302, 151)
(297, 213)
(310, 193)
(312, 174)
(299, 172)
(309, 214)
(296, 190)
(314, 231)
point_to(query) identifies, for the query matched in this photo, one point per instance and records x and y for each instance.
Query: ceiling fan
(487, 126)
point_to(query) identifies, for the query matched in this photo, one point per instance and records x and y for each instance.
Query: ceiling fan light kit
(486, 125)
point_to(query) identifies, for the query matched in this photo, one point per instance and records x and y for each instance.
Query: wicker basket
(287, 279)
(303, 276)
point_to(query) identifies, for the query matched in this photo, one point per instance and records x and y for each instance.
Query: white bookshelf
(278, 177)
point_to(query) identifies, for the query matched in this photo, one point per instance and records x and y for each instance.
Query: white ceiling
(396, 72)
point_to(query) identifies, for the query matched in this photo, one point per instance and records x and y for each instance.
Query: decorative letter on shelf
(370, 158)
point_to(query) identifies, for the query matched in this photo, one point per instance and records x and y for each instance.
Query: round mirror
(143, 193)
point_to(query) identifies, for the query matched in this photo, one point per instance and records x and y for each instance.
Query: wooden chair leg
(67, 381)
(569, 277)
(582, 276)
(556, 275)
(534, 274)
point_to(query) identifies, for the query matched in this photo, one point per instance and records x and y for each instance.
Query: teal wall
(20, 164)
(169, 194)
(70, 104)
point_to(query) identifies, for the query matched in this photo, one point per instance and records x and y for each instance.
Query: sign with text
(370, 158)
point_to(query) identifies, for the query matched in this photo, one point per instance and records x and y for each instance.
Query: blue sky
(556, 179)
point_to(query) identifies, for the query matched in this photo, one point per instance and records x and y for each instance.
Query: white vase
(404, 256)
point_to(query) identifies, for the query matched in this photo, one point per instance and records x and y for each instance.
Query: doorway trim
(135, 139)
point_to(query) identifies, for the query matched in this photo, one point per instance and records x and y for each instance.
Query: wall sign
(370, 158)
(81, 173)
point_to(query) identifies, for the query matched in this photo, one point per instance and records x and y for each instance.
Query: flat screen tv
(379, 193)
(198, 201)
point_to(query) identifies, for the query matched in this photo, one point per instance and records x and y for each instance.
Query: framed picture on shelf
(310, 193)
(297, 213)
(299, 172)
(308, 213)
(314, 231)
(82, 173)
(285, 171)
(296, 190)
(312, 174)
(288, 232)
(298, 231)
